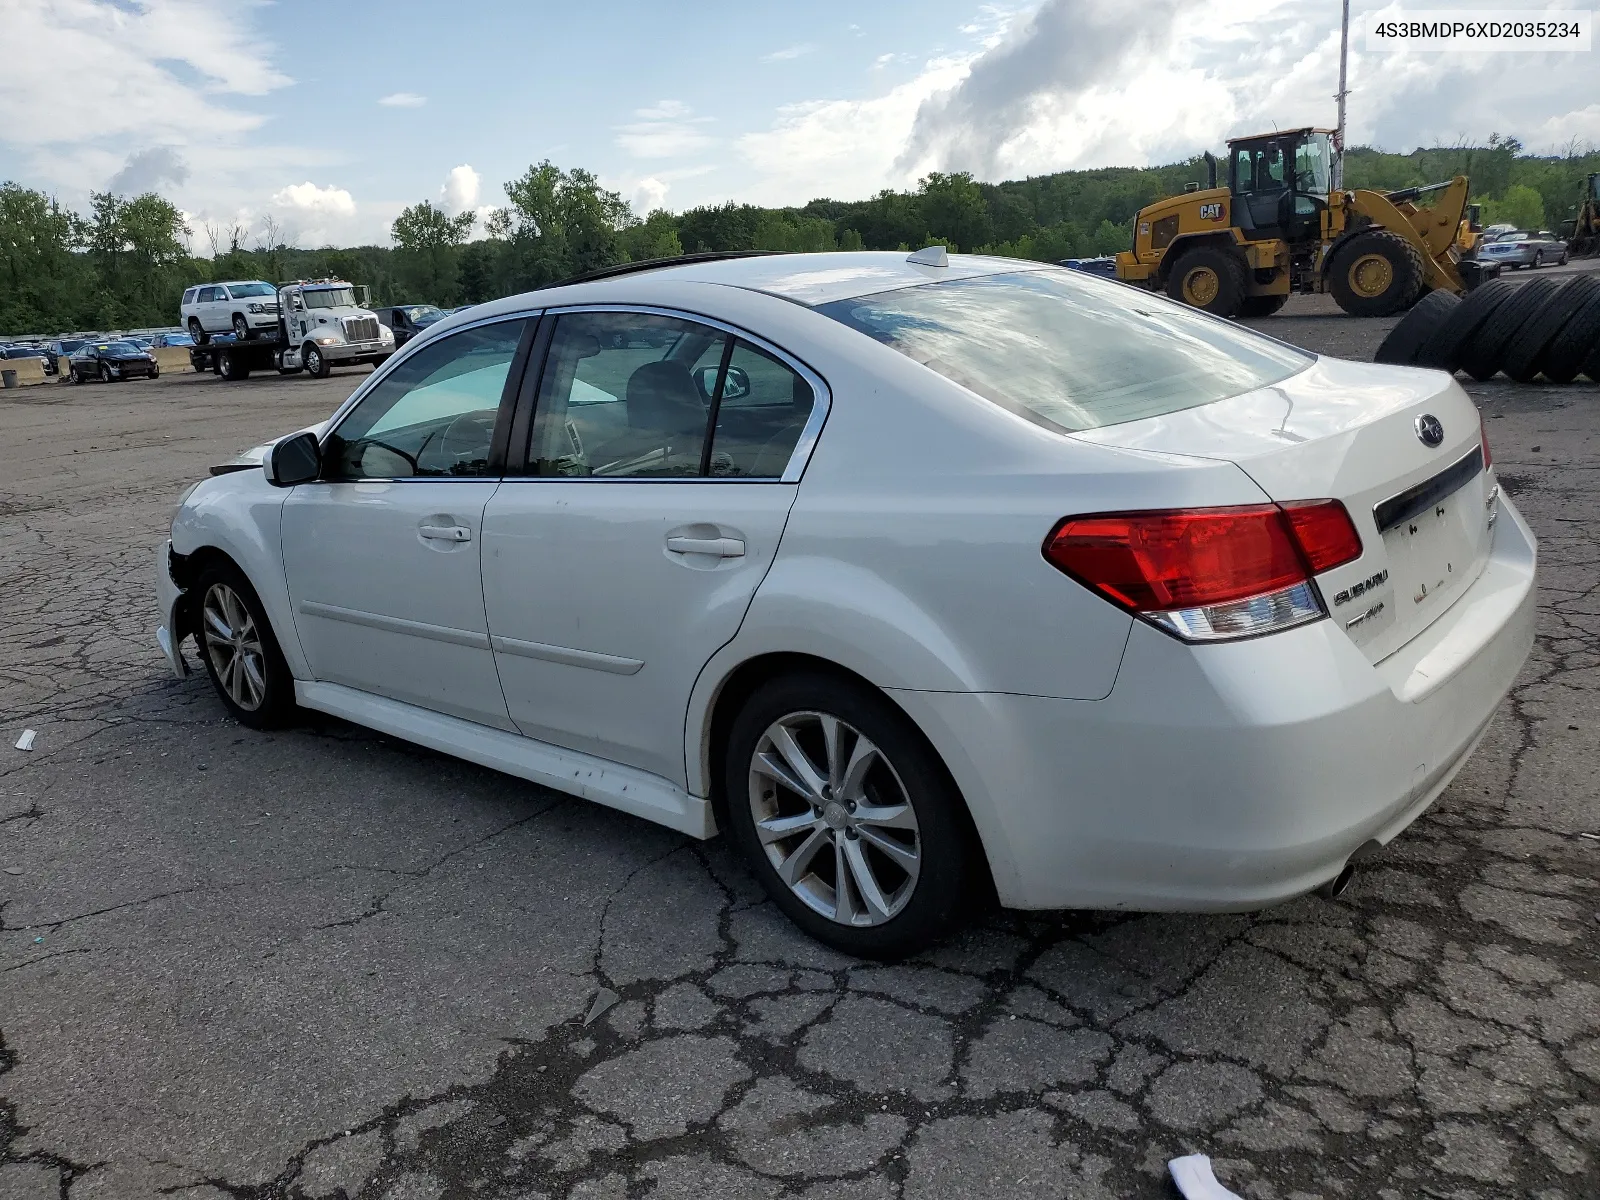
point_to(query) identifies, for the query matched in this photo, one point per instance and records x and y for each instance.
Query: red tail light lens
(1209, 573)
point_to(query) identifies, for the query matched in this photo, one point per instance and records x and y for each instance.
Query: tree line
(126, 262)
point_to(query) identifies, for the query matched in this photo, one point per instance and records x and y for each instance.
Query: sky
(321, 121)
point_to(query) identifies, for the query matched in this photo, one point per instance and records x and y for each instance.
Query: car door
(628, 551)
(382, 553)
(211, 310)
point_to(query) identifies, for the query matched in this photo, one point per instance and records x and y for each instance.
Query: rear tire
(197, 332)
(1411, 333)
(1208, 278)
(1446, 348)
(1485, 353)
(1524, 355)
(1260, 306)
(231, 367)
(239, 649)
(1564, 358)
(923, 884)
(1376, 274)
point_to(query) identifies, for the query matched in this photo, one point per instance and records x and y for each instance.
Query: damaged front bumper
(169, 634)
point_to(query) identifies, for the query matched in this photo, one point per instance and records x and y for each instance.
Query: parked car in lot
(918, 576)
(32, 352)
(110, 362)
(246, 308)
(1105, 265)
(172, 339)
(1525, 248)
(408, 320)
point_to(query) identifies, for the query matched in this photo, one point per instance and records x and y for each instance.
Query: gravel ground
(321, 962)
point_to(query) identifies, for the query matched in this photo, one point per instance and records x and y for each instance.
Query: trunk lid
(1350, 431)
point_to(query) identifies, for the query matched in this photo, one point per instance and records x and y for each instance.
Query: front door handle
(720, 547)
(445, 533)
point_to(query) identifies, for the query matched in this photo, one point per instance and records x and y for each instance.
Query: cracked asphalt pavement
(322, 963)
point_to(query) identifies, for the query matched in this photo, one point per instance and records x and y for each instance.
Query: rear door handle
(445, 533)
(721, 547)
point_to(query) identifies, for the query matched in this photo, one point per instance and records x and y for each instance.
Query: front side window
(1067, 350)
(207, 295)
(1313, 165)
(433, 415)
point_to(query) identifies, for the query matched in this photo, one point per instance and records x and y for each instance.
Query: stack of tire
(1546, 328)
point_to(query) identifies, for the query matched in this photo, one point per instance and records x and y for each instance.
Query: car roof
(806, 279)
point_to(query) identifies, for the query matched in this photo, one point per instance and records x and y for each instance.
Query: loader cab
(1280, 183)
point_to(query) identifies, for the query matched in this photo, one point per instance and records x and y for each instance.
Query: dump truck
(1277, 226)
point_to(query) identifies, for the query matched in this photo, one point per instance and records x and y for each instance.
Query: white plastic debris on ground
(1192, 1174)
(25, 742)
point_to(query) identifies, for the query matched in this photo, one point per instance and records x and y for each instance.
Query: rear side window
(1068, 351)
(188, 296)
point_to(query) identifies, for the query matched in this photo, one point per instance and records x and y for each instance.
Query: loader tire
(1524, 357)
(1414, 329)
(1565, 355)
(1208, 278)
(1445, 349)
(1260, 306)
(1486, 352)
(1376, 274)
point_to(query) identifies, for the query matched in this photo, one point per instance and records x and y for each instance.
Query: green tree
(954, 210)
(1521, 206)
(557, 224)
(427, 252)
(654, 237)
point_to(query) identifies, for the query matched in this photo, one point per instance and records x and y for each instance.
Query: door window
(634, 395)
(620, 396)
(210, 294)
(433, 414)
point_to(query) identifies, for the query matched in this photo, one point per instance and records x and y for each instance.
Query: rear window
(1069, 351)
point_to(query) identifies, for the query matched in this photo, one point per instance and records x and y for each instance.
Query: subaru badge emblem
(1429, 431)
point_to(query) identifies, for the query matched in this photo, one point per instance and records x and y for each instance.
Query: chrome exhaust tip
(1336, 886)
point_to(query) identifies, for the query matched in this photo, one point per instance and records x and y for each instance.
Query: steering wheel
(467, 438)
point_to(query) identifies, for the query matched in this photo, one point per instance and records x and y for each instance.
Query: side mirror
(293, 460)
(736, 385)
(296, 302)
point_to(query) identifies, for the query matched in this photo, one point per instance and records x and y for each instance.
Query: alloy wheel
(233, 645)
(834, 819)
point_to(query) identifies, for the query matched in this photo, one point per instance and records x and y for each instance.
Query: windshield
(1070, 351)
(240, 290)
(1313, 165)
(424, 314)
(330, 297)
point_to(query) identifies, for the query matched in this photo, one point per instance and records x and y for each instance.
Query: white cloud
(789, 52)
(403, 100)
(649, 194)
(666, 129)
(461, 189)
(309, 198)
(108, 67)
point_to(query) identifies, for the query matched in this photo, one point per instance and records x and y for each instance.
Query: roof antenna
(930, 256)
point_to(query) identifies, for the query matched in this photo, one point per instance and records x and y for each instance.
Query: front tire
(1208, 278)
(105, 373)
(241, 328)
(239, 650)
(1538, 259)
(847, 817)
(1376, 274)
(316, 363)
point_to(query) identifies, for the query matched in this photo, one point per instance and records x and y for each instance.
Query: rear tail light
(1208, 574)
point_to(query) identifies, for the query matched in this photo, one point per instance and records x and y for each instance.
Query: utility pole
(1344, 59)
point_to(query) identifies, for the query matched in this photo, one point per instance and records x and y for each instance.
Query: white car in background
(246, 308)
(919, 576)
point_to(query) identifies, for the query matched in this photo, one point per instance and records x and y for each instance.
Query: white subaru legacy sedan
(924, 578)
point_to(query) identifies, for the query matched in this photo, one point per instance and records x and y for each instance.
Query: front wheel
(240, 652)
(1538, 259)
(316, 362)
(241, 328)
(1377, 273)
(847, 817)
(105, 373)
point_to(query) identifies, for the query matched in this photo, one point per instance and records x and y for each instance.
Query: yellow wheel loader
(1277, 226)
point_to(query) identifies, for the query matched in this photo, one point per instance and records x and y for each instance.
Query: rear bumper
(1234, 776)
